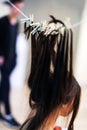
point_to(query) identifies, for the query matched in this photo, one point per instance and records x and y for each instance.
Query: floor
(19, 106)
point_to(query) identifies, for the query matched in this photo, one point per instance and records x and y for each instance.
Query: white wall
(4, 10)
(81, 56)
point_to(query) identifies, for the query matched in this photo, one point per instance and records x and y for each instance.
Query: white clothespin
(68, 23)
(40, 26)
(25, 20)
(54, 29)
(43, 26)
(36, 28)
(50, 28)
(30, 19)
(35, 24)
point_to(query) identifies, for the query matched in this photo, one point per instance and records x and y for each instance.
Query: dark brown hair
(51, 79)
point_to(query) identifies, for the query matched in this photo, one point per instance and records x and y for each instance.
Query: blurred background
(41, 9)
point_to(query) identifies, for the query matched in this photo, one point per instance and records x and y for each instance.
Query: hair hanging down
(51, 78)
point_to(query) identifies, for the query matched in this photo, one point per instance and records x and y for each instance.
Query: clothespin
(35, 24)
(43, 26)
(50, 28)
(53, 29)
(68, 23)
(36, 28)
(25, 20)
(28, 19)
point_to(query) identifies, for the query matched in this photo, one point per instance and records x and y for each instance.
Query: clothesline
(17, 9)
(29, 19)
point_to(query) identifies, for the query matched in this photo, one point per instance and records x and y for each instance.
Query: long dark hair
(51, 79)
